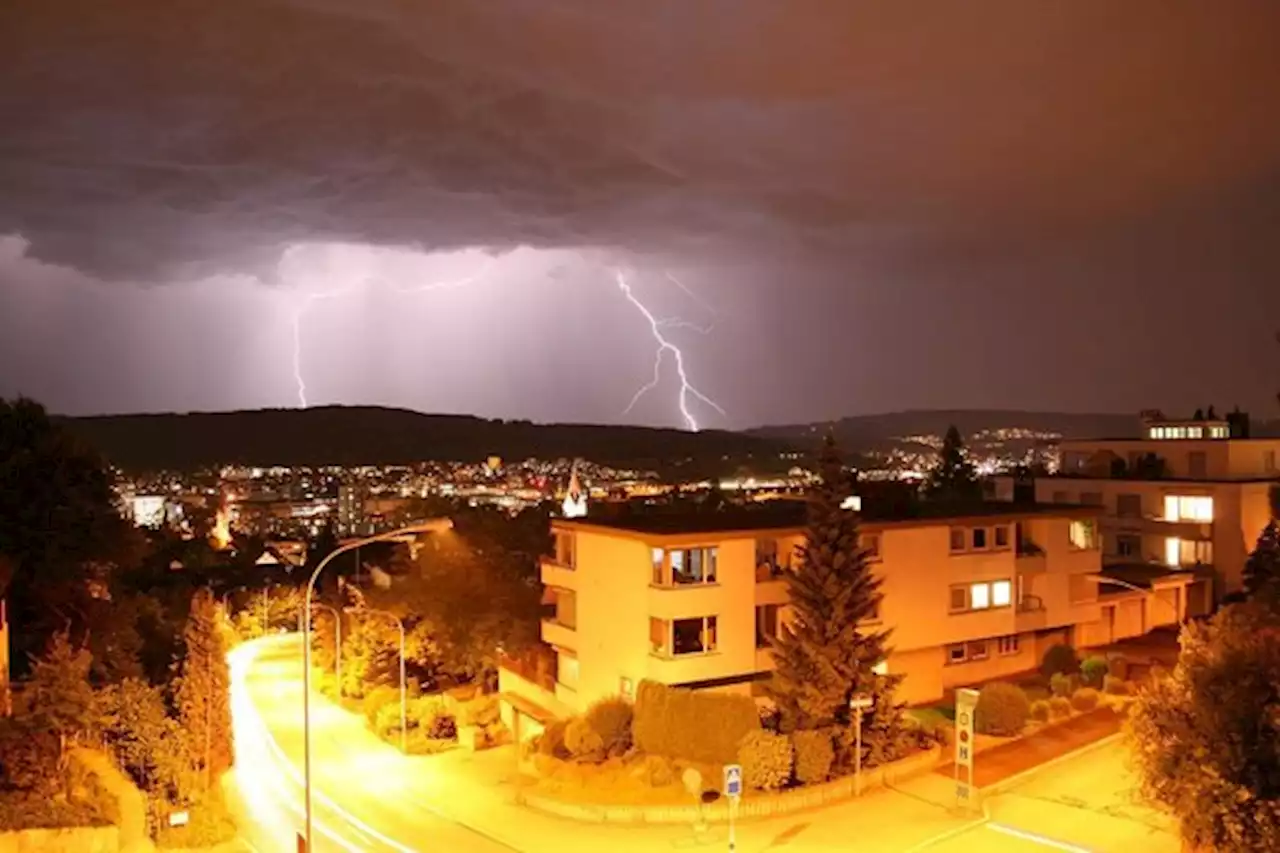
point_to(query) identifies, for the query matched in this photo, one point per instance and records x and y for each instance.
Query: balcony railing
(768, 570)
(1030, 604)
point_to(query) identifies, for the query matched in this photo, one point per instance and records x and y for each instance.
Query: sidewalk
(999, 763)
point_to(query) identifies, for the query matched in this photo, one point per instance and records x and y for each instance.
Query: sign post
(858, 705)
(732, 790)
(966, 703)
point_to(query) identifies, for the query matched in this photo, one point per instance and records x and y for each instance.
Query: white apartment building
(692, 600)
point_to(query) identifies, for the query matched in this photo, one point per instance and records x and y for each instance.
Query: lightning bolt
(687, 388)
(307, 301)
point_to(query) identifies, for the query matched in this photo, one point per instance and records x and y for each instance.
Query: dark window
(955, 654)
(957, 539)
(1002, 537)
(1129, 506)
(979, 538)
(1128, 545)
(959, 598)
(766, 624)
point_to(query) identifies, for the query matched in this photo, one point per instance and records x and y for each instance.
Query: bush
(443, 727)
(1118, 665)
(1059, 706)
(387, 721)
(375, 699)
(672, 721)
(1002, 710)
(657, 771)
(1116, 687)
(814, 755)
(583, 742)
(1093, 670)
(479, 711)
(551, 743)
(1084, 699)
(1061, 684)
(766, 760)
(1059, 658)
(422, 712)
(1040, 710)
(611, 720)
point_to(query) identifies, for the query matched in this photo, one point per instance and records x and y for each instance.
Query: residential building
(694, 600)
(1181, 508)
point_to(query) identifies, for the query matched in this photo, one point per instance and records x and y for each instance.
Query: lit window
(1001, 594)
(1172, 551)
(567, 669)
(1188, 508)
(957, 539)
(659, 567)
(1007, 645)
(1195, 432)
(1083, 534)
(979, 596)
(881, 668)
(693, 566)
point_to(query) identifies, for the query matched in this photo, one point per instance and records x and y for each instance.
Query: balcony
(1031, 614)
(558, 575)
(559, 635)
(1157, 525)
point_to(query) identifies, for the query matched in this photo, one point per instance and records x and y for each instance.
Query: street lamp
(435, 525)
(337, 644)
(1151, 591)
(399, 624)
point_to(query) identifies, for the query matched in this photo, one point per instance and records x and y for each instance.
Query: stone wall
(753, 805)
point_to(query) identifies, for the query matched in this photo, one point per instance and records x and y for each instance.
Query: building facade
(1180, 509)
(694, 601)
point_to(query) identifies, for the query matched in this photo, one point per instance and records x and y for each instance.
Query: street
(367, 797)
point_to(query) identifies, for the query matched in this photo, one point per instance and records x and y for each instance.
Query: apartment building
(692, 600)
(1181, 508)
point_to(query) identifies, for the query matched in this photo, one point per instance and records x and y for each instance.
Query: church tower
(575, 497)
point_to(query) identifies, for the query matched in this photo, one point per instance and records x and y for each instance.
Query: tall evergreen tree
(1262, 569)
(203, 692)
(954, 477)
(823, 655)
(61, 698)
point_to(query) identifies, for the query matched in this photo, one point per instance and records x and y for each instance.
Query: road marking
(1036, 838)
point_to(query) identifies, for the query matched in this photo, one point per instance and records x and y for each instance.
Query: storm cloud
(848, 174)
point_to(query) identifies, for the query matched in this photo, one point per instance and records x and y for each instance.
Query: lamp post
(434, 525)
(337, 644)
(403, 696)
(1151, 591)
(858, 705)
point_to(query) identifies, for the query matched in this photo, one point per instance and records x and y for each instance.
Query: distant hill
(869, 430)
(366, 435)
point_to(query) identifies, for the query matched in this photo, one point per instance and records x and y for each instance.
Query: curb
(1020, 777)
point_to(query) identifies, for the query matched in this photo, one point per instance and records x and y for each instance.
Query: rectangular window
(957, 539)
(955, 654)
(693, 566)
(1129, 506)
(567, 608)
(1083, 534)
(977, 650)
(1193, 551)
(693, 636)
(1007, 645)
(1002, 536)
(959, 598)
(1128, 545)
(1184, 508)
(979, 538)
(1172, 551)
(1001, 594)
(1195, 432)
(567, 670)
(979, 596)
(659, 567)
(766, 624)
(565, 551)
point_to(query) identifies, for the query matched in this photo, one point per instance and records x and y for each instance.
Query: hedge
(692, 725)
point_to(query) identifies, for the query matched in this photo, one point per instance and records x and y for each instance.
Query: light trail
(664, 346)
(656, 327)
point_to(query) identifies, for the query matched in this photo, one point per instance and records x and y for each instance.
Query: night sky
(852, 206)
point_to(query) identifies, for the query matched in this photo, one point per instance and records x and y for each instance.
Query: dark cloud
(897, 148)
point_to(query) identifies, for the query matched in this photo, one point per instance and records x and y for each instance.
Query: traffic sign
(861, 703)
(733, 780)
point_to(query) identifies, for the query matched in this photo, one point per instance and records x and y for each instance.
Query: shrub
(658, 772)
(1061, 684)
(611, 720)
(1118, 665)
(1084, 699)
(1059, 658)
(423, 711)
(479, 711)
(1093, 670)
(770, 715)
(1002, 710)
(551, 743)
(443, 727)
(1116, 687)
(766, 760)
(1060, 706)
(672, 721)
(583, 742)
(387, 721)
(1040, 710)
(814, 755)
(374, 700)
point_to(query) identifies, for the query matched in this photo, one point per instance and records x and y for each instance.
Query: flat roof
(1146, 575)
(793, 515)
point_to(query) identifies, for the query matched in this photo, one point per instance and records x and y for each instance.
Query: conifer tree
(203, 692)
(823, 655)
(953, 478)
(1262, 569)
(60, 695)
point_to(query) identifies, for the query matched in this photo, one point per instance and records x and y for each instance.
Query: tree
(58, 518)
(59, 695)
(149, 744)
(1262, 569)
(953, 478)
(203, 690)
(823, 656)
(1206, 738)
